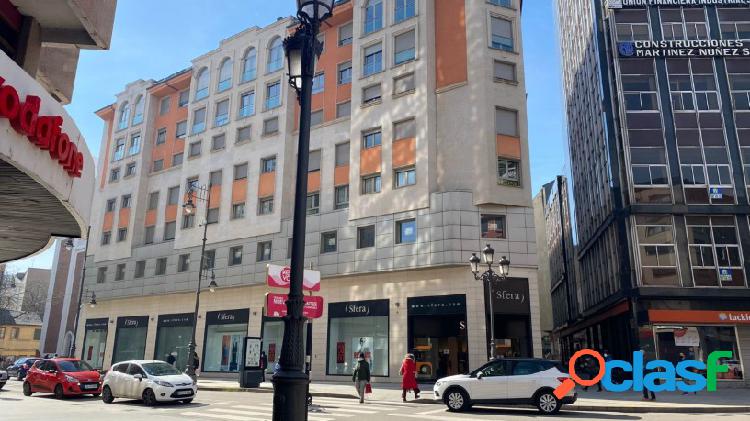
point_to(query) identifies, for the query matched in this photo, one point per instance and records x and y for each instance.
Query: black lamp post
(290, 381)
(69, 245)
(198, 193)
(490, 277)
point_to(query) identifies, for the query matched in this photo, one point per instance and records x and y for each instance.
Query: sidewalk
(722, 401)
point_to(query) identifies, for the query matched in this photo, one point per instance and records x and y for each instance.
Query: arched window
(201, 87)
(275, 55)
(373, 15)
(138, 110)
(248, 65)
(122, 122)
(225, 75)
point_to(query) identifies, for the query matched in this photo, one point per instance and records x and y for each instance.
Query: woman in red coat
(408, 377)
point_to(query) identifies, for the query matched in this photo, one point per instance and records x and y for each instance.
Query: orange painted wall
(266, 184)
(404, 152)
(341, 175)
(239, 191)
(215, 197)
(108, 221)
(313, 181)
(171, 89)
(150, 219)
(123, 219)
(369, 160)
(508, 146)
(170, 213)
(450, 42)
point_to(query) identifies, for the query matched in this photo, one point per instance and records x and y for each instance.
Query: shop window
(358, 328)
(493, 226)
(171, 331)
(715, 254)
(94, 342)
(696, 343)
(225, 332)
(130, 338)
(656, 250)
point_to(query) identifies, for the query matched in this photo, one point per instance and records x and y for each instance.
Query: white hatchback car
(528, 381)
(149, 380)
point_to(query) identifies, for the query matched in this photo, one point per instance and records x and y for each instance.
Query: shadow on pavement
(491, 411)
(162, 405)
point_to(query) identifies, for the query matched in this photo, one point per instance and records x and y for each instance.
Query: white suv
(149, 380)
(527, 381)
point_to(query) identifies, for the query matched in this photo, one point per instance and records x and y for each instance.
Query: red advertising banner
(279, 277)
(271, 353)
(276, 306)
(340, 352)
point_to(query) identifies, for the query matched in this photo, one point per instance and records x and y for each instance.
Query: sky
(152, 39)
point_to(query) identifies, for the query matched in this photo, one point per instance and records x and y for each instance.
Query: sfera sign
(685, 48)
(620, 4)
(43, 131)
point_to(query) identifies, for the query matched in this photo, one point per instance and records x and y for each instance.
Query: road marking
(354, 406)
(435, 411)
(222, 417)
(248, 410)
(460, 417)
(356, 402)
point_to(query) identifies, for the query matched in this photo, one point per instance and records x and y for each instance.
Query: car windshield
(159, 369)
(71, 366)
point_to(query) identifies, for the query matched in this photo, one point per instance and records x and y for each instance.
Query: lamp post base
(290, 396)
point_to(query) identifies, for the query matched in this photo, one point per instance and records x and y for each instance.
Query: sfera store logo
(358, 309)
(43, 131)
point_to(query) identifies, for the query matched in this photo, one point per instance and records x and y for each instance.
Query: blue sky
(153, 39)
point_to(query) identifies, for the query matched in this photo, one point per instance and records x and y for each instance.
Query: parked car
(528, 381)
(149, 380)
(63, 377)
(3, 378)
(19, 368)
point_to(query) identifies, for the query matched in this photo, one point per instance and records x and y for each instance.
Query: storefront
(272, 333)
(437, 335)
(510, 302)
(173, 332)
(130, 338)
(225, 332)
(95, 342)
(354, 328)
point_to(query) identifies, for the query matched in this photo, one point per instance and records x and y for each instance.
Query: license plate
(90, 386)
(184, 392)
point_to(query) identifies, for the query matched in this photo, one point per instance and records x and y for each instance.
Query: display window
(273, 335)
(674, 343)
(223, 341)
(173, 334)
(130, 338)
(95, 342)
(354, 328)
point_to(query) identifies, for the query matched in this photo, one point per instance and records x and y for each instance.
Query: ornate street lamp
(291, 382)
(490, 277)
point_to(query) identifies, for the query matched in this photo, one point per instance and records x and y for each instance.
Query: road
(234, 406)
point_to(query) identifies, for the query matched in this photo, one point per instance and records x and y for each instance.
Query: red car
(63, 377)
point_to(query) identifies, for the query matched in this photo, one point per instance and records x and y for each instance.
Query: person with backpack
(361, 376)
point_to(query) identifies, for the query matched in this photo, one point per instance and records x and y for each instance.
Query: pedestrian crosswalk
(323, 409)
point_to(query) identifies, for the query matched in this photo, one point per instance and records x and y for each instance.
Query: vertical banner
(340, 352)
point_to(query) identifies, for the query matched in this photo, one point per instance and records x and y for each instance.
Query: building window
(373, 60)
(319, 82)
(119, 152)
(169, 230)
(715, 254)
(199, 120)
(503, 3)
(493, 226)
(218, 142)
(342, 154)
(504, 71)
(135, 144)
(125, 201)
(183, 263)
(403, 84)
(371, 139)
(273, 95)
(138, 111)
(148, 235)
(692, 85)
(213, 216)
(265, 206)
(268, 164)
(640, 92)
(405, 9)
(106, 237)
(344, 109)
(225, 76)
(683, 23)
(161, 136)
(366, 237)
(177, 159)
(153, 200)
(14, 332)
(373, 16)
(345, 73)
(275, 55)
(656, 250)
(270, 126)
(264, 251)
(321, 38)
(405, 177)
(404, 47)
(164, 105)
(140, 269)
(120, 272)
(314, 161)
(705, 340)
(181, 129)
(243, 134)
(235, 256)
(124, 116)
(406, 231)
(345, 34)
(632, 25)
(313, 203)
(371, 94)
(316, 118)
(240, 171)
(328, 242)
(161, 266)
(111, 205)
(502, 34)
(195, 149)
(222, 113)
(114, 174)
(101, 275)
(405, 129)
(201, 86)
(734, 25)
(506, 122)
(183, 99)
(173, 195)
(371, 184)
(215, 178)
(508, 172)
(188, 221)
(247, 104)
(249, 65)
(122, 234)
(157, 165)
(130, 169)
(238, 210)
(341, 197)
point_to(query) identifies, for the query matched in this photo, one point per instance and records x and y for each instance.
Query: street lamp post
(72, 352)
(198, 193)
(490, 277)
(290, 381)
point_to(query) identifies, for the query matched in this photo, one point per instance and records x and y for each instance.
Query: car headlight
(163, 383)
(71, 379)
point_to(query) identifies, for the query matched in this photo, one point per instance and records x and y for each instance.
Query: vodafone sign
(280, 277)
(44, 131)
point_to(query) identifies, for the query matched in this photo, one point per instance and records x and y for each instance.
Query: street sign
(276, 306)
(280, 277)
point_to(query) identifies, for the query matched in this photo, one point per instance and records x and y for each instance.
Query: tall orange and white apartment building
(418, 157)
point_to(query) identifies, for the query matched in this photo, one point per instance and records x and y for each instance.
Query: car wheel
(457, 400)
(547, 403)
(149, 399)
(187, 401)
(2, 385)
(26, 389)
(59, 394)
(107, 395)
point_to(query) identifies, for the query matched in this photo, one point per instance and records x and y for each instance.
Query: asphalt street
(237, 406)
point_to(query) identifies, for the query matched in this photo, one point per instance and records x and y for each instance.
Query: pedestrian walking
(361, 376)
(263, 364)
(172, 358)
(408, 374)
(196, 363)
